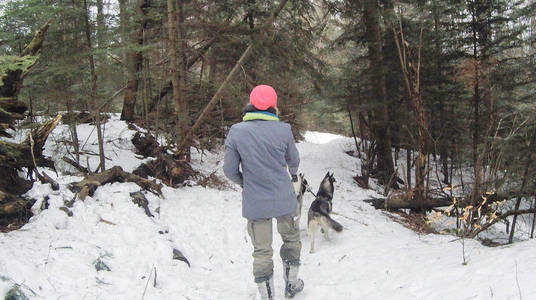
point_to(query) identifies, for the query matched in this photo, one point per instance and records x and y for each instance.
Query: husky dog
(320, 210)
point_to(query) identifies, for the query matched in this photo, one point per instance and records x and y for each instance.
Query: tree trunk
(123, 26)
(353, 131)
(476, 104)
(100, 24)
(134, 63)
(11, 109)
(379, 121)
(73, 130)
(12, 80)
(408, 166)
(533, 217)
(173, 59)
(183, 110)
(93, 95)
(523, 185)
(101, 59)
(410, 67)
(440, 127)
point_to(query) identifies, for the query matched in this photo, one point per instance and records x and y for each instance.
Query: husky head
(303, 184)
(300, 187)
(326, 186)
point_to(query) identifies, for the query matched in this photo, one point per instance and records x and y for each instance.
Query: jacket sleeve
(231, 161)
(292, 156)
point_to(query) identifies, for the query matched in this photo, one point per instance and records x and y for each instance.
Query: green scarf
(260, 115)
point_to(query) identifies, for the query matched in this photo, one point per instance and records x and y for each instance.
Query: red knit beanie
(263, 97)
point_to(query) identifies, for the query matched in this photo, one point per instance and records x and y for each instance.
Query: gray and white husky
(320, 210)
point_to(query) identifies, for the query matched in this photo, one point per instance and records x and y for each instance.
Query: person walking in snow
(263, 147)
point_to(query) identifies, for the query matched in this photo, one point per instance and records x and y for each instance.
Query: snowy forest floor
(54, 255)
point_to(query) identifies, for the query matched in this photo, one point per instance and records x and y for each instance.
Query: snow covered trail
(53, 256)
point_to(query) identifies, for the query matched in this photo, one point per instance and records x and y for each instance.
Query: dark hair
(250, 108)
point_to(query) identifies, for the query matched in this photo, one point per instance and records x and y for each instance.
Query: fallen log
(406, 201)
(14, 210)
(15, 157)
(12, 105)
(116, 174)
(19, 156)
(399, 199)
(15, 206)
(11, 110)
(9, 203)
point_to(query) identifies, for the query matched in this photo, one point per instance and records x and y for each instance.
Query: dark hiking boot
(293, 284)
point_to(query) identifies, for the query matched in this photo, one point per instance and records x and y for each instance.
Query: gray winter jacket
(263, 149)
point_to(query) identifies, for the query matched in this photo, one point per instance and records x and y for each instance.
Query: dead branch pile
(146, 145)
(166, 167)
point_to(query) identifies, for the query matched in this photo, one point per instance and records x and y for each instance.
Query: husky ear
(327, 175)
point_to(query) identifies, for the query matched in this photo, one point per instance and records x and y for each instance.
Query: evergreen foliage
(477, 86)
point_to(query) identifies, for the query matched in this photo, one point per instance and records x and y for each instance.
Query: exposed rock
(101, 266)
(15, 294)
(177, 254)
(139, 199)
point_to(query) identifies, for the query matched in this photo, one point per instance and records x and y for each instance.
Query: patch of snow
(315, 137)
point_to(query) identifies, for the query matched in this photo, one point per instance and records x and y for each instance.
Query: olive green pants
(260, 232)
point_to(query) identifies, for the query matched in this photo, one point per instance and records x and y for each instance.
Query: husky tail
(332, 223)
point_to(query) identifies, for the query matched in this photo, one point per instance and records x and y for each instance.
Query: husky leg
(312, 230)
(297, 216)
(325, 227)
(298, 211)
